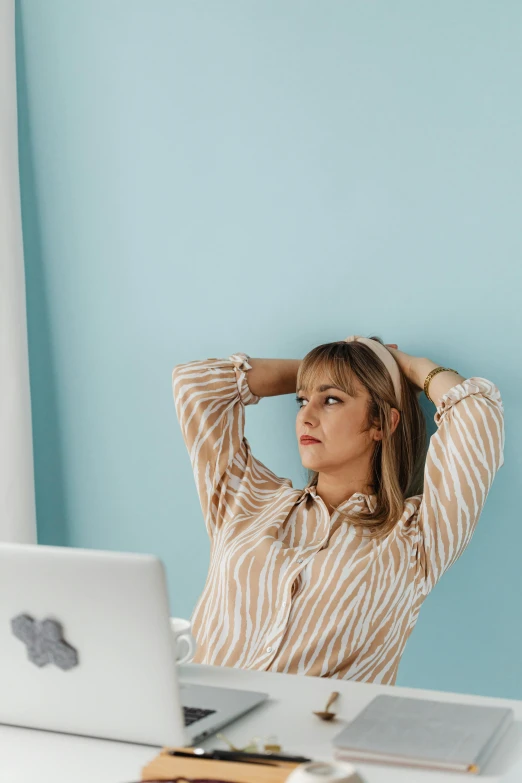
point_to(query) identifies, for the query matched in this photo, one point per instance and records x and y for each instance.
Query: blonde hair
(399, 458)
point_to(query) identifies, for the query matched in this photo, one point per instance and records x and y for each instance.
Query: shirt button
(269, 649)
(300, 560)
(284, 604)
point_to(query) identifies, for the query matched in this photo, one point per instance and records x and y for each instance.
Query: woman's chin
(310, 464)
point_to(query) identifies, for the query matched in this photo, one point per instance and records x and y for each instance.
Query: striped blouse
(291, 588)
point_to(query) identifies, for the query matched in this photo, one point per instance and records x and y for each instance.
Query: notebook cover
(424, 730)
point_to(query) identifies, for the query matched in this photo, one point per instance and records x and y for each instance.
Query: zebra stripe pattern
(291, 588)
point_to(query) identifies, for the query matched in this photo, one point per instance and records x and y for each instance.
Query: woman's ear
(396, 417)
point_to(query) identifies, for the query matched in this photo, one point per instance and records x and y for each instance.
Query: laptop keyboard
(192, 714)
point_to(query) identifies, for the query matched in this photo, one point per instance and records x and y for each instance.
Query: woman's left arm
(463, 458)
(440, 384)
(416, 370)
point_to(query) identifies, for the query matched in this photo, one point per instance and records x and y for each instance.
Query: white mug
(181, 631)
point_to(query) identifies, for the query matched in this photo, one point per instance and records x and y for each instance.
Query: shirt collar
(357, 497)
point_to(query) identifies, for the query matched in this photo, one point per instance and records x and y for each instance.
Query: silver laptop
(86, 648)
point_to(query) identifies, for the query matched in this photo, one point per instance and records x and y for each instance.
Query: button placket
(272, 648)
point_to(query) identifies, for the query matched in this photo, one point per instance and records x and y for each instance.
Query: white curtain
(17, 503)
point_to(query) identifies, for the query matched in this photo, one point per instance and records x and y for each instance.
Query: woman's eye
(300, 400)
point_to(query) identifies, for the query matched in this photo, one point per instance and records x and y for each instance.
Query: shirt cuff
(475, 385)
(241, 363)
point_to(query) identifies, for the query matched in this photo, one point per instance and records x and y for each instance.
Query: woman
(329, 580)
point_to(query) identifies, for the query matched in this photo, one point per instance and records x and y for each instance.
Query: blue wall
(203, 177)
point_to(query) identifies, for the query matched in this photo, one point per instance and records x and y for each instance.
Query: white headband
(387, 359)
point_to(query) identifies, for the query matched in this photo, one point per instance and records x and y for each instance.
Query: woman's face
(337, 421)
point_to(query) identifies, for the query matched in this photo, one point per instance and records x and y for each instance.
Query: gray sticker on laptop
(44, 641)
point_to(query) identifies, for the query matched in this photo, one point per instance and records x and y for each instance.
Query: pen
(225, 754)
(216, 756)
(241, 755)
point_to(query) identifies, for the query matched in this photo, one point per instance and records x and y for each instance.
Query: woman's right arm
(270, 377)
(210, 405)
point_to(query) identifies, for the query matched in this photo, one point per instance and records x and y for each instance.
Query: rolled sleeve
(463, 458)
(242, 365)
(210, 396)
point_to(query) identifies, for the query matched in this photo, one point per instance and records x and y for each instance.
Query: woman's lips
(309, 441)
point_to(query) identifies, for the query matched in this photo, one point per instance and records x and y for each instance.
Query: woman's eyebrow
(324, 387)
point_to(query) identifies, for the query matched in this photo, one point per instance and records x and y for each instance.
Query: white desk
(46, 757)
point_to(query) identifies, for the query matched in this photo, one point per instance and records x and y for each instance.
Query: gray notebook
(424, 733)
